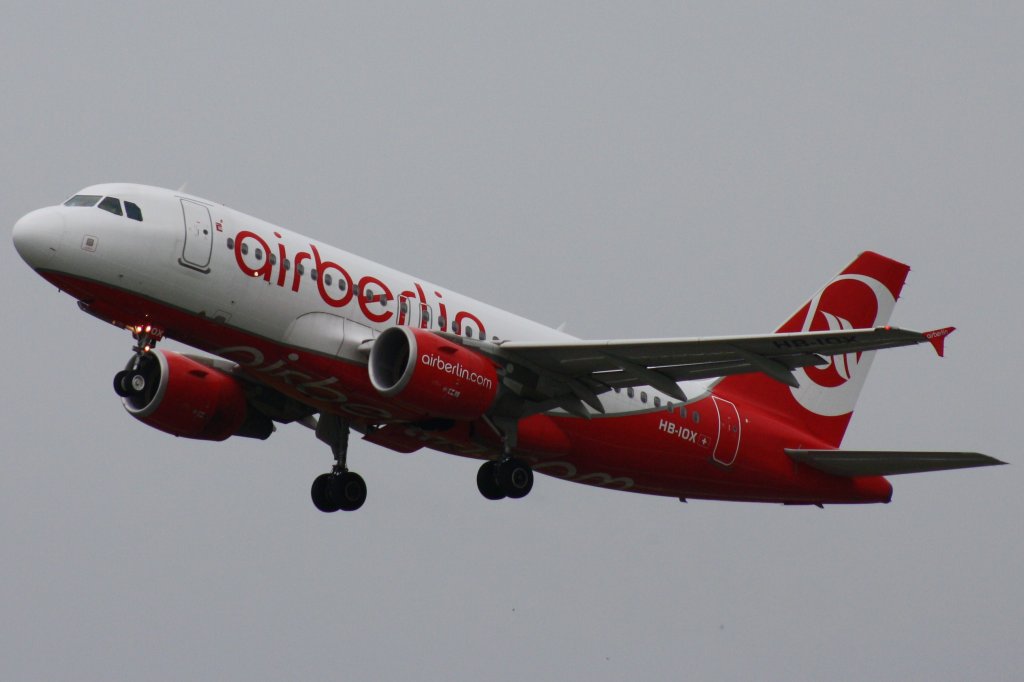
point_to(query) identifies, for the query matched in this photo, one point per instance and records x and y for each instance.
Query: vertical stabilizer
(862, 296)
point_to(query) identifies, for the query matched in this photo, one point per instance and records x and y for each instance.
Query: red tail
(862, 296)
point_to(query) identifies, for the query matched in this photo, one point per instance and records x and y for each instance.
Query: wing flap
(887, 462)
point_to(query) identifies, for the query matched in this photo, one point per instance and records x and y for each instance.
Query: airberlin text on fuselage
(372, 303)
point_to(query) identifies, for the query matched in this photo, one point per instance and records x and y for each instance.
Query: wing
(581, 370)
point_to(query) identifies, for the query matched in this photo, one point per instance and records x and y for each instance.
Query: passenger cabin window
(82, 200)
(112, 205)
(133, 211)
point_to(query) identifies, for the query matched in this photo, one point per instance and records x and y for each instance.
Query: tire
(121, 384)
(487, 481)
(347, 491)
(136, 382)
(319, 494)
(515, 477)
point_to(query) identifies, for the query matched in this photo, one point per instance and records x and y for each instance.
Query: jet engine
(182, 397)
(432, 375)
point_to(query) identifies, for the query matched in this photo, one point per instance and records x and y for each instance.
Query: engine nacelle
(186, 398)
(428, 373)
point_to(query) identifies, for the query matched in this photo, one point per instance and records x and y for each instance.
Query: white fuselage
(214, 262)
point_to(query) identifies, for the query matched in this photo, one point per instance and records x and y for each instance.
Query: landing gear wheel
(487, 481)
(346, 490)
(319, 494)
(121, 384)
(136, 382)
(515, 478)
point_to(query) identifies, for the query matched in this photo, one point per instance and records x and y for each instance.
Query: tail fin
(861, 296)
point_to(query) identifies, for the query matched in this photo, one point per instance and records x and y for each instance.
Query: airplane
(298, 331)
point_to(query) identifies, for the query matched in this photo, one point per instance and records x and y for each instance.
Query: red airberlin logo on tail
(840, 367)
(858, 303)
(851, 301)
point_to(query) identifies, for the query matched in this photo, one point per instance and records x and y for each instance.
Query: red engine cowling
(428, 373)
(185, 398)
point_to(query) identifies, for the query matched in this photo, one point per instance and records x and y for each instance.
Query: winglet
(937, 338)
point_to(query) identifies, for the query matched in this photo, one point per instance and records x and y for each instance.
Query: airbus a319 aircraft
(303, 332)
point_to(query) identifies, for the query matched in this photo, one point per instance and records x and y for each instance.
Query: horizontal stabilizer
(887, 463)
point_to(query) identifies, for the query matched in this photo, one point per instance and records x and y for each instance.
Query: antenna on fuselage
(183, 186)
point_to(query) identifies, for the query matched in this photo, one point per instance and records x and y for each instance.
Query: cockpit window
(82, 200)
(133, 211)
(111, 204)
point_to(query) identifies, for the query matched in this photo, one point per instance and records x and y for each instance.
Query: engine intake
(182, 397)
(425, 372)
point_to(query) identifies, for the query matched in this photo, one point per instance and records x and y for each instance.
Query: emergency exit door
(728, 443)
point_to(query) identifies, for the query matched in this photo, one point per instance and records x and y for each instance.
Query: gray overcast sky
(640, 169)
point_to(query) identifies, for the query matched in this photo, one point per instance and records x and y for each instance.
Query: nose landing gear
(134, 380)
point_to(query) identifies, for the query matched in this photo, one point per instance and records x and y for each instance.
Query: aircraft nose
(38, 234)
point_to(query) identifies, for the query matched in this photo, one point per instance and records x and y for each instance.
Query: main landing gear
(508, 477)
(340, 489)
(134, 380)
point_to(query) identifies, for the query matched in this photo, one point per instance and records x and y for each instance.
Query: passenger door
(198, 245)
